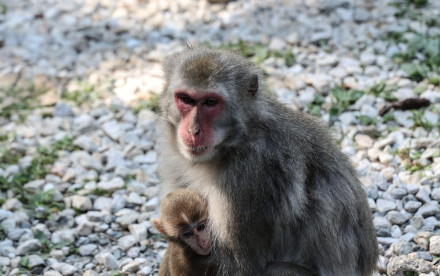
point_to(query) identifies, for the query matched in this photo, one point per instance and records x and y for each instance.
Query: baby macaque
(183, 220)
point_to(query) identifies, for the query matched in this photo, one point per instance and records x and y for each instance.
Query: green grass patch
(259, 52)
(367, 120)
(417, 3)
(388, 117)
(9, 156)
(39, 203)
(409, 8)
(83, 93)
(382, 90)
(100, 192)
(315, 107)
(419, 120)
(152, 103)
(19, 101)
(3, 9)
(342, 98)
(422, 59)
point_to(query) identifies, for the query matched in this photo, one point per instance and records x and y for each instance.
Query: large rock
(399, 266)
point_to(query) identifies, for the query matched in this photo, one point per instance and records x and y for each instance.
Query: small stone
(118, 203)
(28, 246)
(396, 217)
(423, 195)
(435, 194)
(277, 44)
(139, 231)
(87, 249)
(127, 219)
(373, 154)
(368, 58)
(134, 265)
(82, 203)
(429, 209)
(434, 245)
(421, 238)
(149, 158)
(420, 255)
(103, 203)
(412, 206)
(383, 205)
(404, 118)
(412, 189)
(417, 221)
(64, 235)
(133, 252)
(84, 123)
(34, 260)
(84, 229)
(4, 261)
(35, 184)
(145, 271)
(14, 233)
(372, 204)
(387, 241)
(12, 204)
(401, 247)
(62, 110)
(52, 273)
(134, 198)
(385, 157)
(90, 272)
(86, 143)
(382, 226)
(112, 130)
(4, 214)
(95, 216)
(363, 141)
(395, 231)
(126, 242)
(152, 204)
(361, 15)
(112, 185)
(107, 260)
(398, 193)
(57, 254)
(68, 269)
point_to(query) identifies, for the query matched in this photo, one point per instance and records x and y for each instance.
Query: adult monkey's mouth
(197, 149)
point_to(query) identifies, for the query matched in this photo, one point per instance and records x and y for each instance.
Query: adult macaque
(183, 220)
(279, 190)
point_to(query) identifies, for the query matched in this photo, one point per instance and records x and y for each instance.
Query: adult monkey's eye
(211, 102)
(187, 100)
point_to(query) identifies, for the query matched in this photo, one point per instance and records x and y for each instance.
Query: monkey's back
(292, 151)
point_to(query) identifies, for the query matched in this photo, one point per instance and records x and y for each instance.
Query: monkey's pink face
(198, 111)
(197, 238)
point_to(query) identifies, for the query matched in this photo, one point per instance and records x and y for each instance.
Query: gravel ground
(78, 88)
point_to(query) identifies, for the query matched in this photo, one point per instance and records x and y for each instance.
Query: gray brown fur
(279, 190)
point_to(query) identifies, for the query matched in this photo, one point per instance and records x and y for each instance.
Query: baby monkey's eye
(187, 235)
(201, 227)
